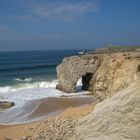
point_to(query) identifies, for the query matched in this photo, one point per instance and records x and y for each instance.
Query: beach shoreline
(35, 110)
(32, 130)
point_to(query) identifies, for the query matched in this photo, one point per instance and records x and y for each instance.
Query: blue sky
(68, 24)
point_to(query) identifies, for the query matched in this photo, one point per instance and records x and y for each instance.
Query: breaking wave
(34, 85)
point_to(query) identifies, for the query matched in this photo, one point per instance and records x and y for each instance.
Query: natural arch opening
(84, 82)
(79, 85)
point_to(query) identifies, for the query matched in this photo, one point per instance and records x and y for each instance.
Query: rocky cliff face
(117, 118)
(102, 74)
(115, 78)
(75, 67)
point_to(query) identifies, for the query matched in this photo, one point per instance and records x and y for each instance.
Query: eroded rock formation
(102, 74)
(74, 68)
(117, 118)
(114, 77)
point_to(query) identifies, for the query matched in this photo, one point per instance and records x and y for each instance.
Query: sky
(68, 24)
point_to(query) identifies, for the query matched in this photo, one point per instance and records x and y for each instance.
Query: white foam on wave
(33, 91)
(23, 94)
(34, 85)
(29, 91)
(24, 79)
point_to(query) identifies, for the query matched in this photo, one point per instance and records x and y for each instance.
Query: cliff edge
(115, 79)
(102, 74)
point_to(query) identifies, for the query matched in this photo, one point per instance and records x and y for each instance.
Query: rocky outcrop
(75, 67)
(5, 104)
(102, 74)
(117, 118)
(114, 77)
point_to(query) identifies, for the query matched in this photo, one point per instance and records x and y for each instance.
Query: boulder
(6, 104)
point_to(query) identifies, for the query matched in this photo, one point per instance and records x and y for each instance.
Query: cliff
(75, 67)
(102, 74)
(117, 118)
(115, 79)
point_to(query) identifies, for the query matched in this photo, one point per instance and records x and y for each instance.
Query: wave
(23, 92)
(35, 90)
(28, 68)
(27, 97)
(34, 85)
(23, 79)
(50, 61)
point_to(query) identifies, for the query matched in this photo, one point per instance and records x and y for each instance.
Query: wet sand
(53, 106)
(72, 108)
(41, 109)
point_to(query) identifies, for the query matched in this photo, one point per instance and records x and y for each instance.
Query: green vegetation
(114, 48)
(121, 47)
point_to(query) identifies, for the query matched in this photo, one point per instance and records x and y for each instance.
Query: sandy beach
(70, 110)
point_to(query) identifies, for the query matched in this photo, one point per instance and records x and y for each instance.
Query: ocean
(26, 77)
(30, 67)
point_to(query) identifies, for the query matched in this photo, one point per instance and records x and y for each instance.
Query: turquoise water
(29, 67)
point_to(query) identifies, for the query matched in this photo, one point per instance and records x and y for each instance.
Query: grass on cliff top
(122, 47)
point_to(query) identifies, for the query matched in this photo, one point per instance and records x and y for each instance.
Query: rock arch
(75, 67)
(86, 80)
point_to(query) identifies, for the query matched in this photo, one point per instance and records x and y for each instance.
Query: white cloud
(64, 10)
(54, 9)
